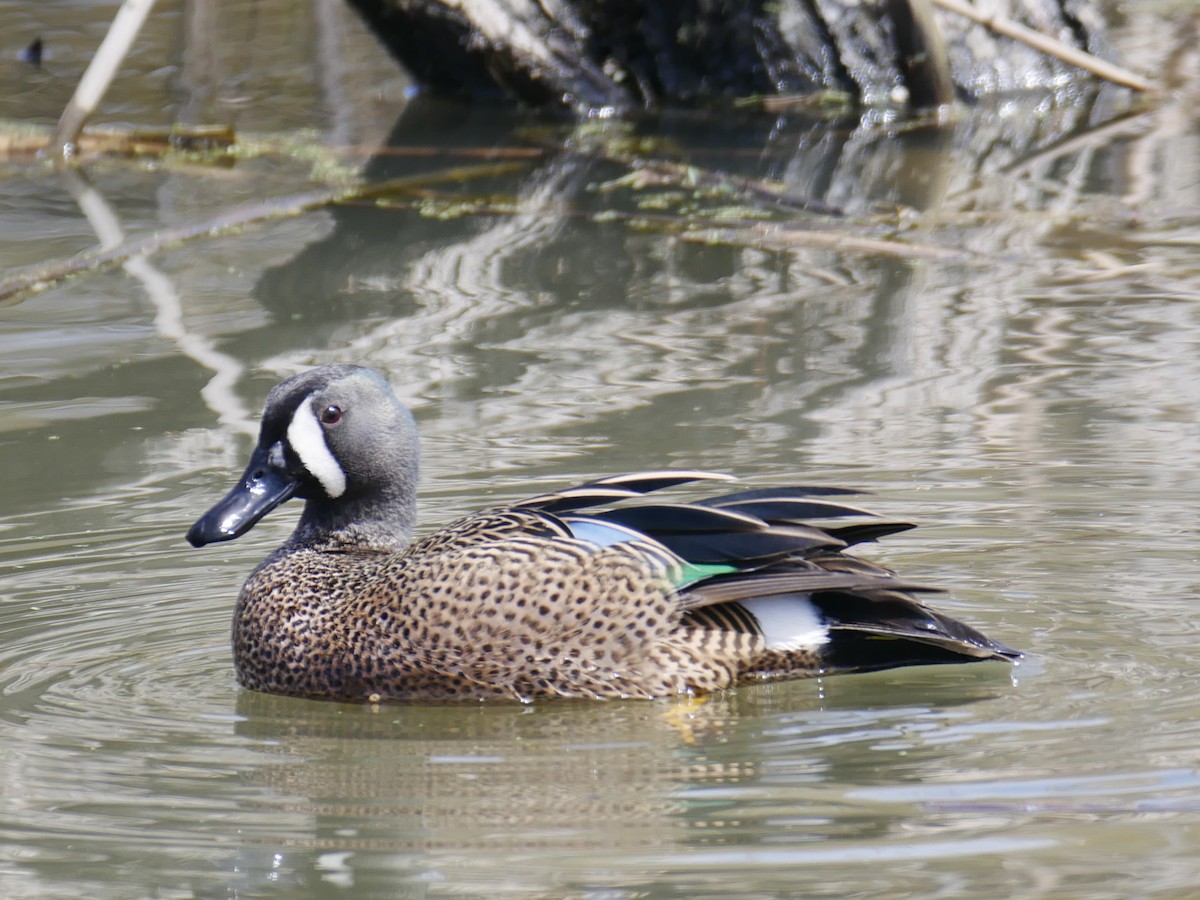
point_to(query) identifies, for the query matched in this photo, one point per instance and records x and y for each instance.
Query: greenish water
(1032, 406)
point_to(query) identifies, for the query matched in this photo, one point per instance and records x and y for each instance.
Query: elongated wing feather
(682, 517)
(615, 487)
(869, 632)
(866, 531)
(744, 549)
(760, 546)
(645, 482)
(769, 584)
(571, 499)
(789, 492)
(787, 509)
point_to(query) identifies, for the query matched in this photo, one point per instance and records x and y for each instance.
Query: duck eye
(331, 415)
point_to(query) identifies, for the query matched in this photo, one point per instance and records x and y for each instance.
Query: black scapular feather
(743, 586)
(790, 492)
(741, 548)
(879, 631)
(788, 509)
(663, 518)
(865, 532)
(614, 488)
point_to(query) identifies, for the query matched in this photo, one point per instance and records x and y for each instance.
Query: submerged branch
(712, 230)
(41, 278)
(645, 172)
(777, 237)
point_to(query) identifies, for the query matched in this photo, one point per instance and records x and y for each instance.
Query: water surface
(1031, 404)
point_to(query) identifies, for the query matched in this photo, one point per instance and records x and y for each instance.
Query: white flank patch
(308, 440)
(788, 622)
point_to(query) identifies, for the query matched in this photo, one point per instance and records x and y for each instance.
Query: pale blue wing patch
(602, 534)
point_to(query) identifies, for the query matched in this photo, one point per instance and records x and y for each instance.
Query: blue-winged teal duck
(538, 598)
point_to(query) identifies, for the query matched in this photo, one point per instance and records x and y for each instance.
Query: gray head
(337, 438)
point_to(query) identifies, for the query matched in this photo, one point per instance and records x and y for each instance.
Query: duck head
(339, 439)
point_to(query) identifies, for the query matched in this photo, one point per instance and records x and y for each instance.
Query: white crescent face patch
(308, 440)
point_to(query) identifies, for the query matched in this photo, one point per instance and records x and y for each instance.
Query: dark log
(595, 55)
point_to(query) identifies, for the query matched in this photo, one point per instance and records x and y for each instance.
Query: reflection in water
(646, 782)
(540, 319)
(218, 393)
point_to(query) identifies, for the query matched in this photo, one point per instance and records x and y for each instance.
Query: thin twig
(99, 74)
(1051, 46)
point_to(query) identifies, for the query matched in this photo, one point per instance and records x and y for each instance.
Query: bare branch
(1051, 46)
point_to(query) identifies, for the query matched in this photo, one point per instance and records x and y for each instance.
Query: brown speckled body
(474, 612)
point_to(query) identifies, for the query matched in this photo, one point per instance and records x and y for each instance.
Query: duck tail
(888, 629)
